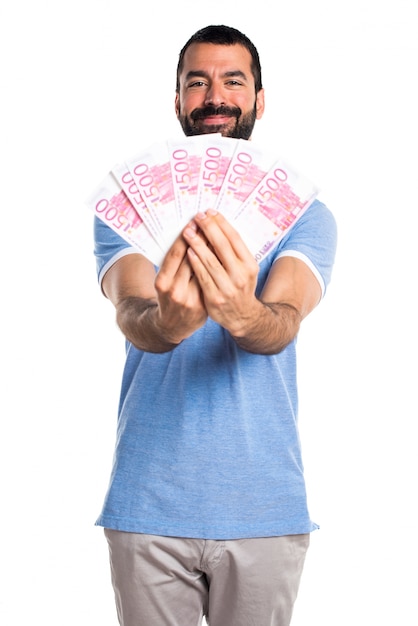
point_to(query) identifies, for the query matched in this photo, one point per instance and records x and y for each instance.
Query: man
(206, 510)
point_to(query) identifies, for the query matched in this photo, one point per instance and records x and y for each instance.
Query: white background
(87, 83)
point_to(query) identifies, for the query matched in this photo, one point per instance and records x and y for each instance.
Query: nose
(215, 95)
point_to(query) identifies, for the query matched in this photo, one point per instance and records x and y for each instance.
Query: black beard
(242, 129)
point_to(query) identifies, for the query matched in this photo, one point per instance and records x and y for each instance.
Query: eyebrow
(203, 74)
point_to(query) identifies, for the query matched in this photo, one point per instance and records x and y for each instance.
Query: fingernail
(190, 232)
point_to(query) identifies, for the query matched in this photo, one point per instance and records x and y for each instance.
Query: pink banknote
(151, 172)
(111, 205)
(185, 161)
(216, 158)
(249, 164)
(126, 181)
(151, 197)
(273, 207)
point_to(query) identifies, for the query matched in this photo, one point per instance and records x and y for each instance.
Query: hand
(225, 270)
(181, 309)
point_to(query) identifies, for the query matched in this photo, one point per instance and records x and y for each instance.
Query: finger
(185, 271)
(175, 267)
(223, 238)
(201, 276)
(201, 252)
(174, 256)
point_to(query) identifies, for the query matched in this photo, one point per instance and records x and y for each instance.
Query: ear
(177, 105)
(259, 103)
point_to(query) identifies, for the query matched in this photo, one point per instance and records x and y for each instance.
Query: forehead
(209, 57)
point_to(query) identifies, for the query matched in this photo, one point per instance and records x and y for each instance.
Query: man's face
(217, 91)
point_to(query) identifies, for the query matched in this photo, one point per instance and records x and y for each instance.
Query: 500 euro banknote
(248, 166)
(217, 155)
(185, 162)
(126, 181)
(151, 172)
(273, 207)
(112, 206)
(151, 197)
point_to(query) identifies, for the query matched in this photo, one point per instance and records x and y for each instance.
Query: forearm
(270, 328)
(138, 319)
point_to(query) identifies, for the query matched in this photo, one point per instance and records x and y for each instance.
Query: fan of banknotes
(149, 198)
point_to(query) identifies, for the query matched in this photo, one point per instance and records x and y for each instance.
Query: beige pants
(167, 581)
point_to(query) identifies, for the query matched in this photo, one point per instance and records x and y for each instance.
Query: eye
(196, 83)
(234, 83)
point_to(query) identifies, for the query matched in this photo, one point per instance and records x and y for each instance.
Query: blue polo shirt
(207, 442)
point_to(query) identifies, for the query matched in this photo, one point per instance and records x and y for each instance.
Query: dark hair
(224, 36)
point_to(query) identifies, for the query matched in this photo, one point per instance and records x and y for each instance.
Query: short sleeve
(314, 240)
(108, 247)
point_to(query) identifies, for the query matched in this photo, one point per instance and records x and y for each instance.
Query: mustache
(210, 110)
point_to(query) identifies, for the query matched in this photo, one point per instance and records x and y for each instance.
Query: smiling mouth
(215, 115)
(217, 120)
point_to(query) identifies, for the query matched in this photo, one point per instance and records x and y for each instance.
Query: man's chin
(224, 129)
(200, 128)
(228, 129)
